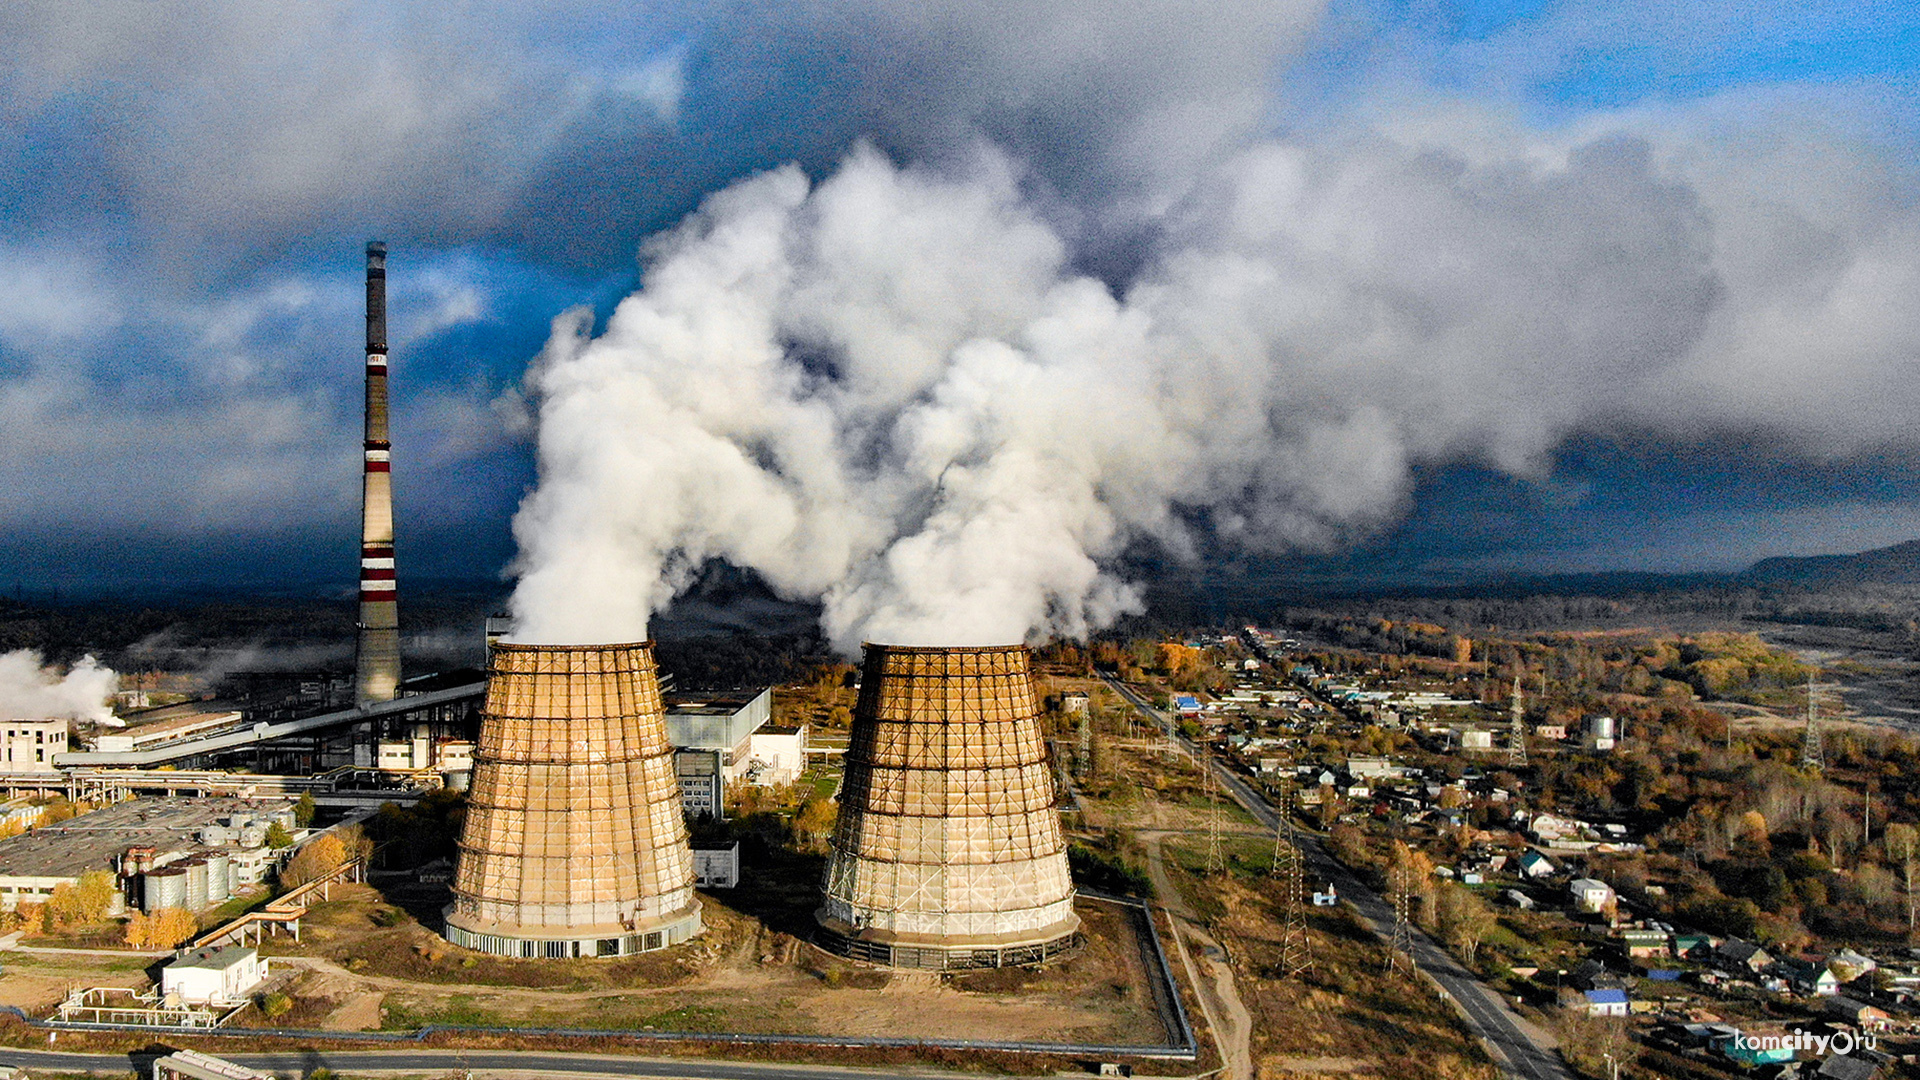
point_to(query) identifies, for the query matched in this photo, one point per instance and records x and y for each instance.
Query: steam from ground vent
(892, 391)
(31, 691)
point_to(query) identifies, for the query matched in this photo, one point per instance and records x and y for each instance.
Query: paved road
(485, 1062)
(1519, 1052)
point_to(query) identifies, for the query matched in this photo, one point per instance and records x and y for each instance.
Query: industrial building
(220, 976)
(948, 852)
(723, 738)
(574, 842)
(28, 746)
(186, 853)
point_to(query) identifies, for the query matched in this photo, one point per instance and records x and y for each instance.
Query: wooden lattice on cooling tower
(573, 827)
(949, 836)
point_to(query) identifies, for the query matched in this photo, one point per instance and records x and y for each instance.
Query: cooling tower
(574, 844)
(948, 851)
(377, 663)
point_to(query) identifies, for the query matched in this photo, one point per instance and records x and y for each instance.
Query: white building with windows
(28, 746)
(213, 976)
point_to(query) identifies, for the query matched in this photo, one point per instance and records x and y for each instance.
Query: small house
(1606, 1002)
(1741, 957)
(1590, 895)
(219, 976)
(1848, 1010)
(1642, 943)
(1535, 865)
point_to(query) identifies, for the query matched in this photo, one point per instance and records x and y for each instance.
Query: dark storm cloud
(1442, 281)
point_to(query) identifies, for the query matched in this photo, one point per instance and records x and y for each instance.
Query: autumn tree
(1900, 839)
(164, 929)
(1462, 919)
(81, 903)
(814, 821)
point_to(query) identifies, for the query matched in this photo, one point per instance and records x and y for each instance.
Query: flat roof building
(28, 746)
(34, 863)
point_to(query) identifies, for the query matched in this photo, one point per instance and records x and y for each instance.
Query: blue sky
(180, 242)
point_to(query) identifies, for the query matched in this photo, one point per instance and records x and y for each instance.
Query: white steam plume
(892, 392)
(31, 691)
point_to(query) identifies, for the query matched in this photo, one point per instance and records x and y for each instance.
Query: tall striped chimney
(377, 673)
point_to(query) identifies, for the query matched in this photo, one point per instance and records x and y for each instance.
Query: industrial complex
(567, 783)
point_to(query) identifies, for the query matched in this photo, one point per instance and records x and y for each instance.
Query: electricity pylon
(1812, 753)
(1216, 859)
(1516, 731)
(1296, 949)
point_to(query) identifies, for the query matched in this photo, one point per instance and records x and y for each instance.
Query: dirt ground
(738, 976)
(37, 981)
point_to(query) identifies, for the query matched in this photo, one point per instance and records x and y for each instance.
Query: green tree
(304, 810)
(278, 836)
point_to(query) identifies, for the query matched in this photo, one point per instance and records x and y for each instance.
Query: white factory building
(28, 746)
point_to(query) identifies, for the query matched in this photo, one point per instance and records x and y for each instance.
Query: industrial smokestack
(948, 852)
(377, 672)
(574, 843)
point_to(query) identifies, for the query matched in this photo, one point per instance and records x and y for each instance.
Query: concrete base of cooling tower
(560, 942)
(928, 953)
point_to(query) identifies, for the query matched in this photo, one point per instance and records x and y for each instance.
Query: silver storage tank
(253, 835)
(165, 888)
(196, 869)
(219, 877)
(216, 836)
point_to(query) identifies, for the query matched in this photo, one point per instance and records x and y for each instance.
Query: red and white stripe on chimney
(377, 664)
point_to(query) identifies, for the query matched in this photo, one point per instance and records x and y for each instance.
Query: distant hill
(1896, 565)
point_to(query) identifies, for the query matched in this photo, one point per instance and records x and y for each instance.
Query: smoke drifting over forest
(892, 390)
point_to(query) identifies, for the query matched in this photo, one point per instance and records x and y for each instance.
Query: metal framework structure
(948, 851)
(1216, 859)
(1812, 745)
(1400, 942)
(574, 843)
(1516, 730)
(1296, 949)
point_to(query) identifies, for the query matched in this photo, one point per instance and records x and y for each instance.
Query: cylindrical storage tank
(283, 817)
(459, 780)
(196, 869)
(164, 888)
(574, 843)
(253, 835)
(216, 836)
(948, 851)
(219, 878)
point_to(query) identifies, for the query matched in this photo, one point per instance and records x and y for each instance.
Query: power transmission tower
(1400, 942)
(1216, 859)
(1296, 950)
(1516, 731)
(1812, 754)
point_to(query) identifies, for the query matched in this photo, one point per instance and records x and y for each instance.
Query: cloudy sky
(1531, 286)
